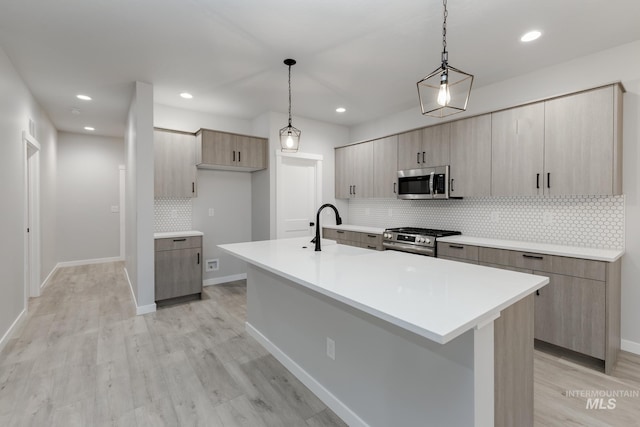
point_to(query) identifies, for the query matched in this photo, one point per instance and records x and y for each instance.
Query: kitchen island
(389, 338)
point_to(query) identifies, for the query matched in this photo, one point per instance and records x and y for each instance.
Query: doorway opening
(31, 216)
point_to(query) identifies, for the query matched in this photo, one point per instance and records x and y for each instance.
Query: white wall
(317, 138)
(139, 197)
(17, 106)
(229, 194)
(88, 185)
(190, 121)
(621, 63)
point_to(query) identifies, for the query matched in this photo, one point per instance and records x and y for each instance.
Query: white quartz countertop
(434, 298)
(358, 228)
(609, 255)
(170, 234)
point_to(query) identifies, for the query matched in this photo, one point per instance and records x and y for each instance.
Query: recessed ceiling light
(530, 36)
(89, 128)
(340, 110)
(186, 95)
(84, 97)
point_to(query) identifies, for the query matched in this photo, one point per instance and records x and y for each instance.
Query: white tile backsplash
(172, 214)
(587, 221)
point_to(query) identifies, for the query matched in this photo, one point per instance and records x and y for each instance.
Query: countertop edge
(595, 254)
(170, 234)
(356, 228)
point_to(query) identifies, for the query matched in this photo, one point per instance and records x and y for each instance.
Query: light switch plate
(212, 211)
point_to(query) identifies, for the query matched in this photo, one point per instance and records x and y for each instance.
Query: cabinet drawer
(468, 261)
(588, 269)
(372, 246)
(455, 250)
(173, 243)
(525, 260)
(370, 239)
(506, 267)
(329, 233)
(345, 236)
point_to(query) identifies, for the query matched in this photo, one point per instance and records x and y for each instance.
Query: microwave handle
(431, 178)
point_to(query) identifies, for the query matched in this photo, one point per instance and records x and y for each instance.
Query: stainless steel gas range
(415, 240)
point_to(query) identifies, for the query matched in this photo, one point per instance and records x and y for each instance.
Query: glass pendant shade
(444, 92)
(289, 139)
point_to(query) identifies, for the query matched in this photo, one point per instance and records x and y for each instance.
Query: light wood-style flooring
(83, 358)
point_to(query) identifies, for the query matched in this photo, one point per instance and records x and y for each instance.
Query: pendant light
(446, 90)
(289, 136)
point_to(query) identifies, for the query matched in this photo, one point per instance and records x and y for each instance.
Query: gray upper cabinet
(174, 164)
(424, 147)
(354, 171)
(517, 151)
(471, 157)
(228, 151)
(583, 143)
(385, 167)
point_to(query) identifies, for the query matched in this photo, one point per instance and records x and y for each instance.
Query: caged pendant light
(289, 136)
(446, 90)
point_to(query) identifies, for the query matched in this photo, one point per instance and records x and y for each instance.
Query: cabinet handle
(548, 179)
(418, 157)
(193, 187)
(394, 188)
(423, 157)
(179, 240)
(538, 292)
(452, 190)
(373, 236)
(354, 190)
(234, 156)
(537, 180)
(532, 256)
(340, 232)
(351, 189)
(239, 156)
(371, 247)
(198, 258)
(456, 247)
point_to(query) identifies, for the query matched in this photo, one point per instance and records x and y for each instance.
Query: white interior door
(298, 193)
(32, 216)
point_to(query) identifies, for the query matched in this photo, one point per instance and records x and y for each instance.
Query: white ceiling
(365, 55)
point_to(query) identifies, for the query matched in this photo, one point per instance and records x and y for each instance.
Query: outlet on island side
(212, 264)
(331, 349)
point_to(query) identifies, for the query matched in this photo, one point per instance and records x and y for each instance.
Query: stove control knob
(420, 239)
(428, 241)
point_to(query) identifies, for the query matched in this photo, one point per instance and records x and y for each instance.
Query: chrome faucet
(316, 240)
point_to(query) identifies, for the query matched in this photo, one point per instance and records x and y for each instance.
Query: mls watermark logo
(601, 399)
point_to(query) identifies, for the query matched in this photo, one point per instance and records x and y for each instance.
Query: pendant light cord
(289, 95)
(444, 34)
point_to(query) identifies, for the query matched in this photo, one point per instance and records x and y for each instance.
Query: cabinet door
(362, 166)
(570, 313)
(218, 148)
(385, 167)
(342, 173)
(251, 152)
(178, 273)
(579, 146)
(517, 151)
(174, 164)
(410, 150)
(471, 157)
(435, 145)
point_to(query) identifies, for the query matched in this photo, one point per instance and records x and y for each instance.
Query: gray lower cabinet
(580, 307)
(354, 238)
(178, 267)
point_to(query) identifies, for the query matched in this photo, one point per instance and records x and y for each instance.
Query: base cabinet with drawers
(354, 238)
(578, 310)
(178, 268)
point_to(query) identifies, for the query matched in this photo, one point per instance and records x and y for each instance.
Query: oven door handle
(431, 178)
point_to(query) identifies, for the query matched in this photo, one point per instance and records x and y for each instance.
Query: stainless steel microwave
(425, 183)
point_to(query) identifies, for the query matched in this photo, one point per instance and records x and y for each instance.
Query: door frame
(31, 217)
(318, 178)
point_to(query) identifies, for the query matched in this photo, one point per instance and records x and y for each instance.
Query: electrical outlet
(212, 211)
(495, 216)
(212, 264)
(548, 218)
(331, 349)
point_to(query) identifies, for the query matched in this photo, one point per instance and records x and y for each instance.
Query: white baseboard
(225, 279)
(13, 328)
(88, 261)
(630, 346)
(48, 278)
(140, 309)
(342, 410)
